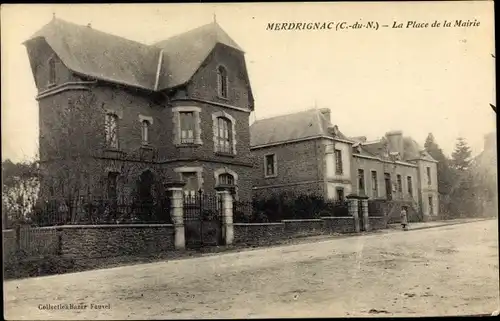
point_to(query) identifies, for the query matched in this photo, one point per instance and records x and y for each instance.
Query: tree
(445, 173)
(461, 156)
(20, 186)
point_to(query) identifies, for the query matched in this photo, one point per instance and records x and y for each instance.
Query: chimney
(326, 113)
(395, 139)
(490, 142)
(89, 25)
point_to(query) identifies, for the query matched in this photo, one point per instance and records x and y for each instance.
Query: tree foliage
(20, 186)
(461, 156)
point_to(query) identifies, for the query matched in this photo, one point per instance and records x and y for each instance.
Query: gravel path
(449, 270)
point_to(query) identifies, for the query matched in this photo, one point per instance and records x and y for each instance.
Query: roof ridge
(284, 115)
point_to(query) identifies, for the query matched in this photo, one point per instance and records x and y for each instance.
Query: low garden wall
(378, 222)
(262, 233)
(97, 241)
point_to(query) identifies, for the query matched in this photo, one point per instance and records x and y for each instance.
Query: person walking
(404, 218)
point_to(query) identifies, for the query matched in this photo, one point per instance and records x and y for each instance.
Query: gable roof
(103, 56)
(290, 127)
(184, 53)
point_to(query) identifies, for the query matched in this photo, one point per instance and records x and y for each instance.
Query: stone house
(484, 168)
(120, 118)
(296, 152)
(304, 152)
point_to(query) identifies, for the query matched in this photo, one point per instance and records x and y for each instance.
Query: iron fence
(102, 211)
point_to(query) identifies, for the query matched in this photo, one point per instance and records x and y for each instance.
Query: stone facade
(74, 155)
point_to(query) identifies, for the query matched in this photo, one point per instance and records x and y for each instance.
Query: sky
(418, 80)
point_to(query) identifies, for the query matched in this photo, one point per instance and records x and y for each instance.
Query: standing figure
(404, 219)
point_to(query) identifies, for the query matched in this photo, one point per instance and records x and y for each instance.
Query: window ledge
(223, 98)
(51, 84)
(147, 146)
(197, 144)
(271, 176)
(225, 154)
(115, 150)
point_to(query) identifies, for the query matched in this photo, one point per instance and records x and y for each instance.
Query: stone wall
(339, 224)
(100, 241)
(264, 233)
(305, 227)
(377, 223)
(258, 233)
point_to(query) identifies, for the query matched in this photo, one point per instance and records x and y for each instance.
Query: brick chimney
(326, 112)
(395, 139)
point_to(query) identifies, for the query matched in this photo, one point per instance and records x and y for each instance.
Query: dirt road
(440, 271)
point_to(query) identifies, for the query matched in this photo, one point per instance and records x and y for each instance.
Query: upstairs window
(410, 186)
(429, 176)
(339, 168)
(361, 182)
(400, 183)
(374, 184)
(52, 71)
(270, 165)
(187, 127)
(224, 135)
(222, 81)
(145, 132)
(111, 130)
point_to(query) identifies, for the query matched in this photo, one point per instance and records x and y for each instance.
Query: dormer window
(52, 71)
(222, 81)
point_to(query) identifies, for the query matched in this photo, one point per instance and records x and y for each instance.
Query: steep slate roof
(412, 150)
(96, 54)
(100, 55)
(284, 128)
(184, 53)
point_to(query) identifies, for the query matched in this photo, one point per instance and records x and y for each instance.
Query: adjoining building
(305, 152)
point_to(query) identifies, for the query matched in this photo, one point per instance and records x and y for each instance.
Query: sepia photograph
(249, 160)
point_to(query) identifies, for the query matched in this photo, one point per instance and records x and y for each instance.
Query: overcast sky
(438, 80)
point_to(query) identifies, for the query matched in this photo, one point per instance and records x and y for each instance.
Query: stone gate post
(353, 211)
(364, 207)
(177, 212)
(227, 214)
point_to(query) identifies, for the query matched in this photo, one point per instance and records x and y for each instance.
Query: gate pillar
(364, 207)
(353, 211)
(177, 212)
(227, 215)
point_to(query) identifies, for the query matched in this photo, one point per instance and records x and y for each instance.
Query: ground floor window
(431, 206)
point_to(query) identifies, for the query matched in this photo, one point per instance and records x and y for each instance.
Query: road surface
(439, 271)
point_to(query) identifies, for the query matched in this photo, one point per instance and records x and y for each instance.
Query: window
(361, 182)
(226, 179)
(270, 165)
(111, 129)
(410, 186)
(222, 81)
(186, 130)
(340, 194)
(429, 176)
(224, 135)
(191, 186)
(111, 185)
(145, 132)
(339, 168)
(431, 205)
(374, 184)
(187, 127)
(52, 71)
(400, 184)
